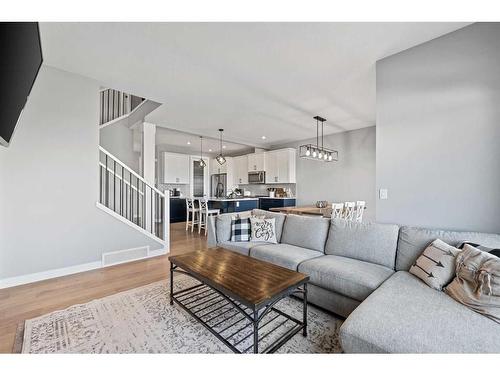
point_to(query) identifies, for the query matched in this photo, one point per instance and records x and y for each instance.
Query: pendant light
(220, 158)
(318, 152)
(203, 164)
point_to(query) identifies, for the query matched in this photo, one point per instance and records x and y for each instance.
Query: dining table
(305, 210)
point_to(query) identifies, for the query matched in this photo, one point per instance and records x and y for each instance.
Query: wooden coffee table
(236, 296)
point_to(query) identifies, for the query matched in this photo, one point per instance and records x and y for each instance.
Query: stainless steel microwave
(257, 177)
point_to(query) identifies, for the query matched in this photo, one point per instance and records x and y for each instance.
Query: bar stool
(194, 211)
(205, 212)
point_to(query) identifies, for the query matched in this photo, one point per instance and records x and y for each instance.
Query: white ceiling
(176, 141)
(252, 79)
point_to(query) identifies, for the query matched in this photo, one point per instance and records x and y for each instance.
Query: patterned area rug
(142, 321)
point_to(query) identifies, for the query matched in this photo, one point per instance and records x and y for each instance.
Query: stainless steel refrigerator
(219, 185)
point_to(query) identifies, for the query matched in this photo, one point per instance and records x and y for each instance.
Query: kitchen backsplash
(182, 187)
(261, 189)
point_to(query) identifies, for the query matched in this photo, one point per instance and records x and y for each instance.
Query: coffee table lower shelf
(239, 327)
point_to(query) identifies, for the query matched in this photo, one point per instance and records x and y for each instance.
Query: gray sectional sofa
(360, 271)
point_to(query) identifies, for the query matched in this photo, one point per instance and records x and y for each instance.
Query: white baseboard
(50, 274)
(58, 272)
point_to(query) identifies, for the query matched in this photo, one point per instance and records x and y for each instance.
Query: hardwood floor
(27, 301)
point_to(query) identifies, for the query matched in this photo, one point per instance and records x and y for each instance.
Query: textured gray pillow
(436, 265)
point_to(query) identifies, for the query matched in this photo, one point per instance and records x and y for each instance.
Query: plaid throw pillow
(240, 230)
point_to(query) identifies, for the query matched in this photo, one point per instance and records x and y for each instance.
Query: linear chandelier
(318, 152)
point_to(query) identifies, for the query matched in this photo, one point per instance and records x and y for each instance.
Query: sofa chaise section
(404, 315)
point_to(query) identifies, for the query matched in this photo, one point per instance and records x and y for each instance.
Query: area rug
(141, 320)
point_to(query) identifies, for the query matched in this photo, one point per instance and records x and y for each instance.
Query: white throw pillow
(263, 230)
(436, 265)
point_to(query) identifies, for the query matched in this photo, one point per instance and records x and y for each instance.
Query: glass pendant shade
(203, 164)
(220, 159)
(308, 152)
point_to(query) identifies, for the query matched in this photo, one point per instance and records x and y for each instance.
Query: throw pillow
(436, 265)
(477, 284)
(495, 252)
(263, 230)
(240, 230)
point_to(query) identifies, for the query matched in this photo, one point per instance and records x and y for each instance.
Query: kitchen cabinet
(268, 203)
(233, 205)
(175, 168)
(240, 170)
(177, 210)
(256, 162)
(280, 166)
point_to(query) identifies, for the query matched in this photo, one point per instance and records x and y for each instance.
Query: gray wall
(438, 132)
(119, 140)
(352, 178)
(49, 182)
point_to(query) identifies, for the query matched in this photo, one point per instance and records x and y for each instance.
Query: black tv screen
(20, 61)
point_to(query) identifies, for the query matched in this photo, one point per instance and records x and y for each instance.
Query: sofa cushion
(223, 224)
(404, 315)
(369, 242)
(305, 231)
(240, 247)
(284, 255)
(412, 241)
(280, 220)
(350, 277)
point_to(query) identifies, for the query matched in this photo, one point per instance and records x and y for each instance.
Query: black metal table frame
(240, 306)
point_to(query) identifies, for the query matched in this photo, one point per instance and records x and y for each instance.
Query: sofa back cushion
(305, 231)
(413, 241)
(223, 224)
(280, 220)
(369, 242)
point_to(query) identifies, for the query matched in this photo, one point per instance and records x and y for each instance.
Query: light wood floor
(27, 301)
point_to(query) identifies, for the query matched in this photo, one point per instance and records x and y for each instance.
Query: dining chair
(192, 210)
(348, 213)
(337, 210)
(358, 211)
(205, 212)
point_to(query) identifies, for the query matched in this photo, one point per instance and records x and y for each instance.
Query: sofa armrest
(212, 234)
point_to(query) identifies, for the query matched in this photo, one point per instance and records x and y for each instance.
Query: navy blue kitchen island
(227, 205)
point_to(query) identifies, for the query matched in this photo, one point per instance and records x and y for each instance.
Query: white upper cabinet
(240, 169)
(175, 168)
(280, 166)
(256, 162)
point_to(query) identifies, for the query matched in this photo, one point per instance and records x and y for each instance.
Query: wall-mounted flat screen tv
(20, 61)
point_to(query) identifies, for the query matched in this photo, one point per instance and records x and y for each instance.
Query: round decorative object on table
(321, 204)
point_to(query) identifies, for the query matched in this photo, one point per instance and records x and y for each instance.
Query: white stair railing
(115, 104)
(127, 194)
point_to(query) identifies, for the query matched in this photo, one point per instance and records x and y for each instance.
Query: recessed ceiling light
(263, 137)
(188, 142)
(224, 146)
(209, 150)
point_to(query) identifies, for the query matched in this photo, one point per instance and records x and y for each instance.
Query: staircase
(128, 196)
(120, 107)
